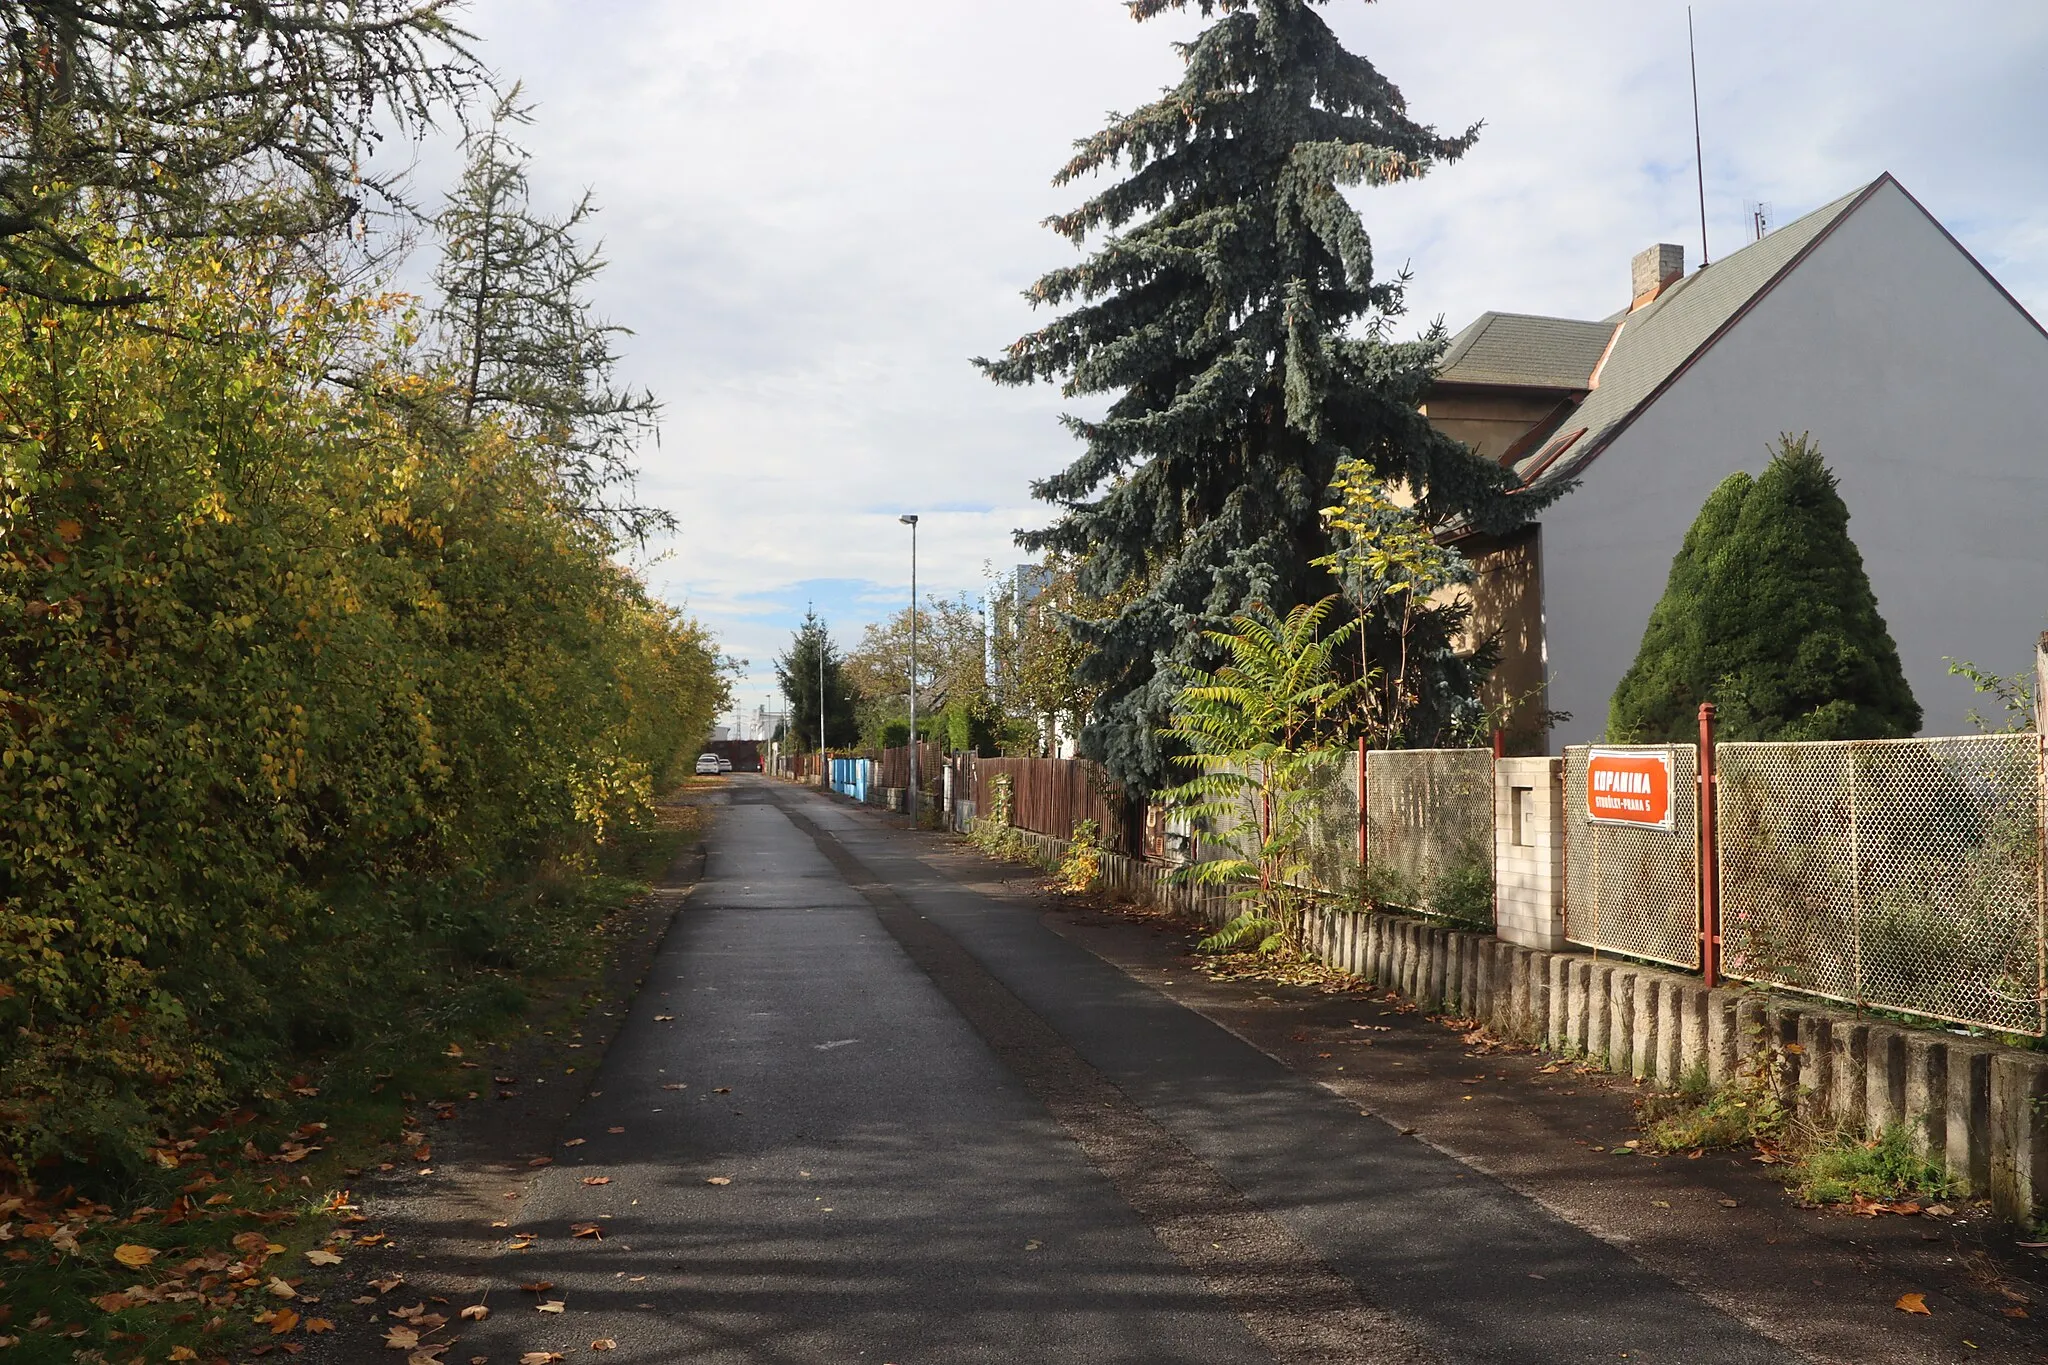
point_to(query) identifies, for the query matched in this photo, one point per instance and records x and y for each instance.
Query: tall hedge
(295, 673)
(1768, 613)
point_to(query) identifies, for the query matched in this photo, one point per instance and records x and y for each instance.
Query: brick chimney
(1654, 270)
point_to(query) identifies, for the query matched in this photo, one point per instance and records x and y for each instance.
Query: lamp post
(910, 520)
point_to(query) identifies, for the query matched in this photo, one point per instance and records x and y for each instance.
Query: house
(1864, 323)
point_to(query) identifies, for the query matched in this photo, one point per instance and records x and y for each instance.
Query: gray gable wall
(1927, 389)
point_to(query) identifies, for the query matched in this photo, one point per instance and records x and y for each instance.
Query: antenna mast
(1698, 157)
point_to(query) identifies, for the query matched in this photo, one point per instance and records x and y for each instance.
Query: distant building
(1865, 323)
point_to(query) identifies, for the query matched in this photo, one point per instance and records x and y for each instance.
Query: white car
(724, 764)
(709, 765)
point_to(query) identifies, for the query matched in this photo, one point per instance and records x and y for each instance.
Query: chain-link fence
(1900, 874)
(1429, 831)
(1331, 814)
(1634, 888)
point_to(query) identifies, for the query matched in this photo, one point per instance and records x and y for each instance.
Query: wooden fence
(1051, 795)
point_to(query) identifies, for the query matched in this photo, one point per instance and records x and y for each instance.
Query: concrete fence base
(1979, 1109)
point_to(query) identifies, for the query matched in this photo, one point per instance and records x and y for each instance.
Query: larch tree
(1231, 309)
(521, 338)
(197, 119)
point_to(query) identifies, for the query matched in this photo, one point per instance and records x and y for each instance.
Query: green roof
(1521, 350)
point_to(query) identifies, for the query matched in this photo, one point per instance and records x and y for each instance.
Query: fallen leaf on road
(319, 1257)
(1914, 1303)
(2014, 1312)
(675, 1086)
(542, 1161)
(386, 1285)
(427, 1355)
(283, 1321)
(575, 1142)
(364, 1298)
(1939, 1210)
(604, 1344)
(615, 1130)
(1033, 1246)
(423, 1154)
(401, 1339)
(113, 1303)
(664, 1018)
(718, 1180)
(538, 1286)
(586, 1230)
(1660, 1203)
(476, 1312)
(1731, 1203)
(280, 1288)
(318, 1325)
(540, 1358)
(597, 1180)
(552, 1306)
(134, 1257)
(721, 1090)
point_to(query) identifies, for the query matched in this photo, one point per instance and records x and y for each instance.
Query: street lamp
(910, 520)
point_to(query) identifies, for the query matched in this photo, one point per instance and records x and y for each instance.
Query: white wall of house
(1927, 391)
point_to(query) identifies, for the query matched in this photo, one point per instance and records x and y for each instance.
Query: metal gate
(1634, 889)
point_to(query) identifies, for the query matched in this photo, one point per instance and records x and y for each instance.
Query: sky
(817, 213)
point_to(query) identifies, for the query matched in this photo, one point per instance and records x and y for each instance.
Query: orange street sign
(1629, 787)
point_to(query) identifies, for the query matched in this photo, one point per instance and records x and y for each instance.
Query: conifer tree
(520, 334)
(798, 672)
(1769, 614)
(1232, 308)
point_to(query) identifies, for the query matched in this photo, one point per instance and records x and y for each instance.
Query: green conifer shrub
(1769, 614)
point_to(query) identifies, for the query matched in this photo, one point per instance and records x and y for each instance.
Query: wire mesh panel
(1330, 809)
(1429, 830)
(1634, 888)
(1901, 874)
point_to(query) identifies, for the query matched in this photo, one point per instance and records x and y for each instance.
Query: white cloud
(816, 212)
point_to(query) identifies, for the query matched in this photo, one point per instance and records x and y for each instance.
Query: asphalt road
(942, 1132)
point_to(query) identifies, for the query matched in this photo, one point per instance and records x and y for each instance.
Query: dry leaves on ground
(552, 1306)
(476, 1312)
(597, 1180)
(586, 1230)
(540, 1358)
(319, 1257)
(718, 1180)
(604, 1344)
(1914, 1303)
(135, 1257)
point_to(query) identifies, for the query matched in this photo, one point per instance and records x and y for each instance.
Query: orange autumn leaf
(133, 1256)
(318, 1325)
(283, 1321)
(1914, 1303)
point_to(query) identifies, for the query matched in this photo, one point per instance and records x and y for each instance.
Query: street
(861, 1112)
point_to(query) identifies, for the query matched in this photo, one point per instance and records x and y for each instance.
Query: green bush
(1844, 1168)
(1768, 613)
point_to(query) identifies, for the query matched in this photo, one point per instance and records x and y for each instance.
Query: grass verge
(215, 1251)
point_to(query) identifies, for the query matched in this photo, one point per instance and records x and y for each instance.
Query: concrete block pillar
(1621, 1019)
(2019, 1137)
(1528, 851)
(1725, 1043)
(1884, 1085)
(1642, 1056)
(1599, 988)
(1926, 1094)
(1968, 1146)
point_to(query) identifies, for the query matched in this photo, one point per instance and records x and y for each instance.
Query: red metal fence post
(1361, 805)
(1500, 744)
(1710, 881)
